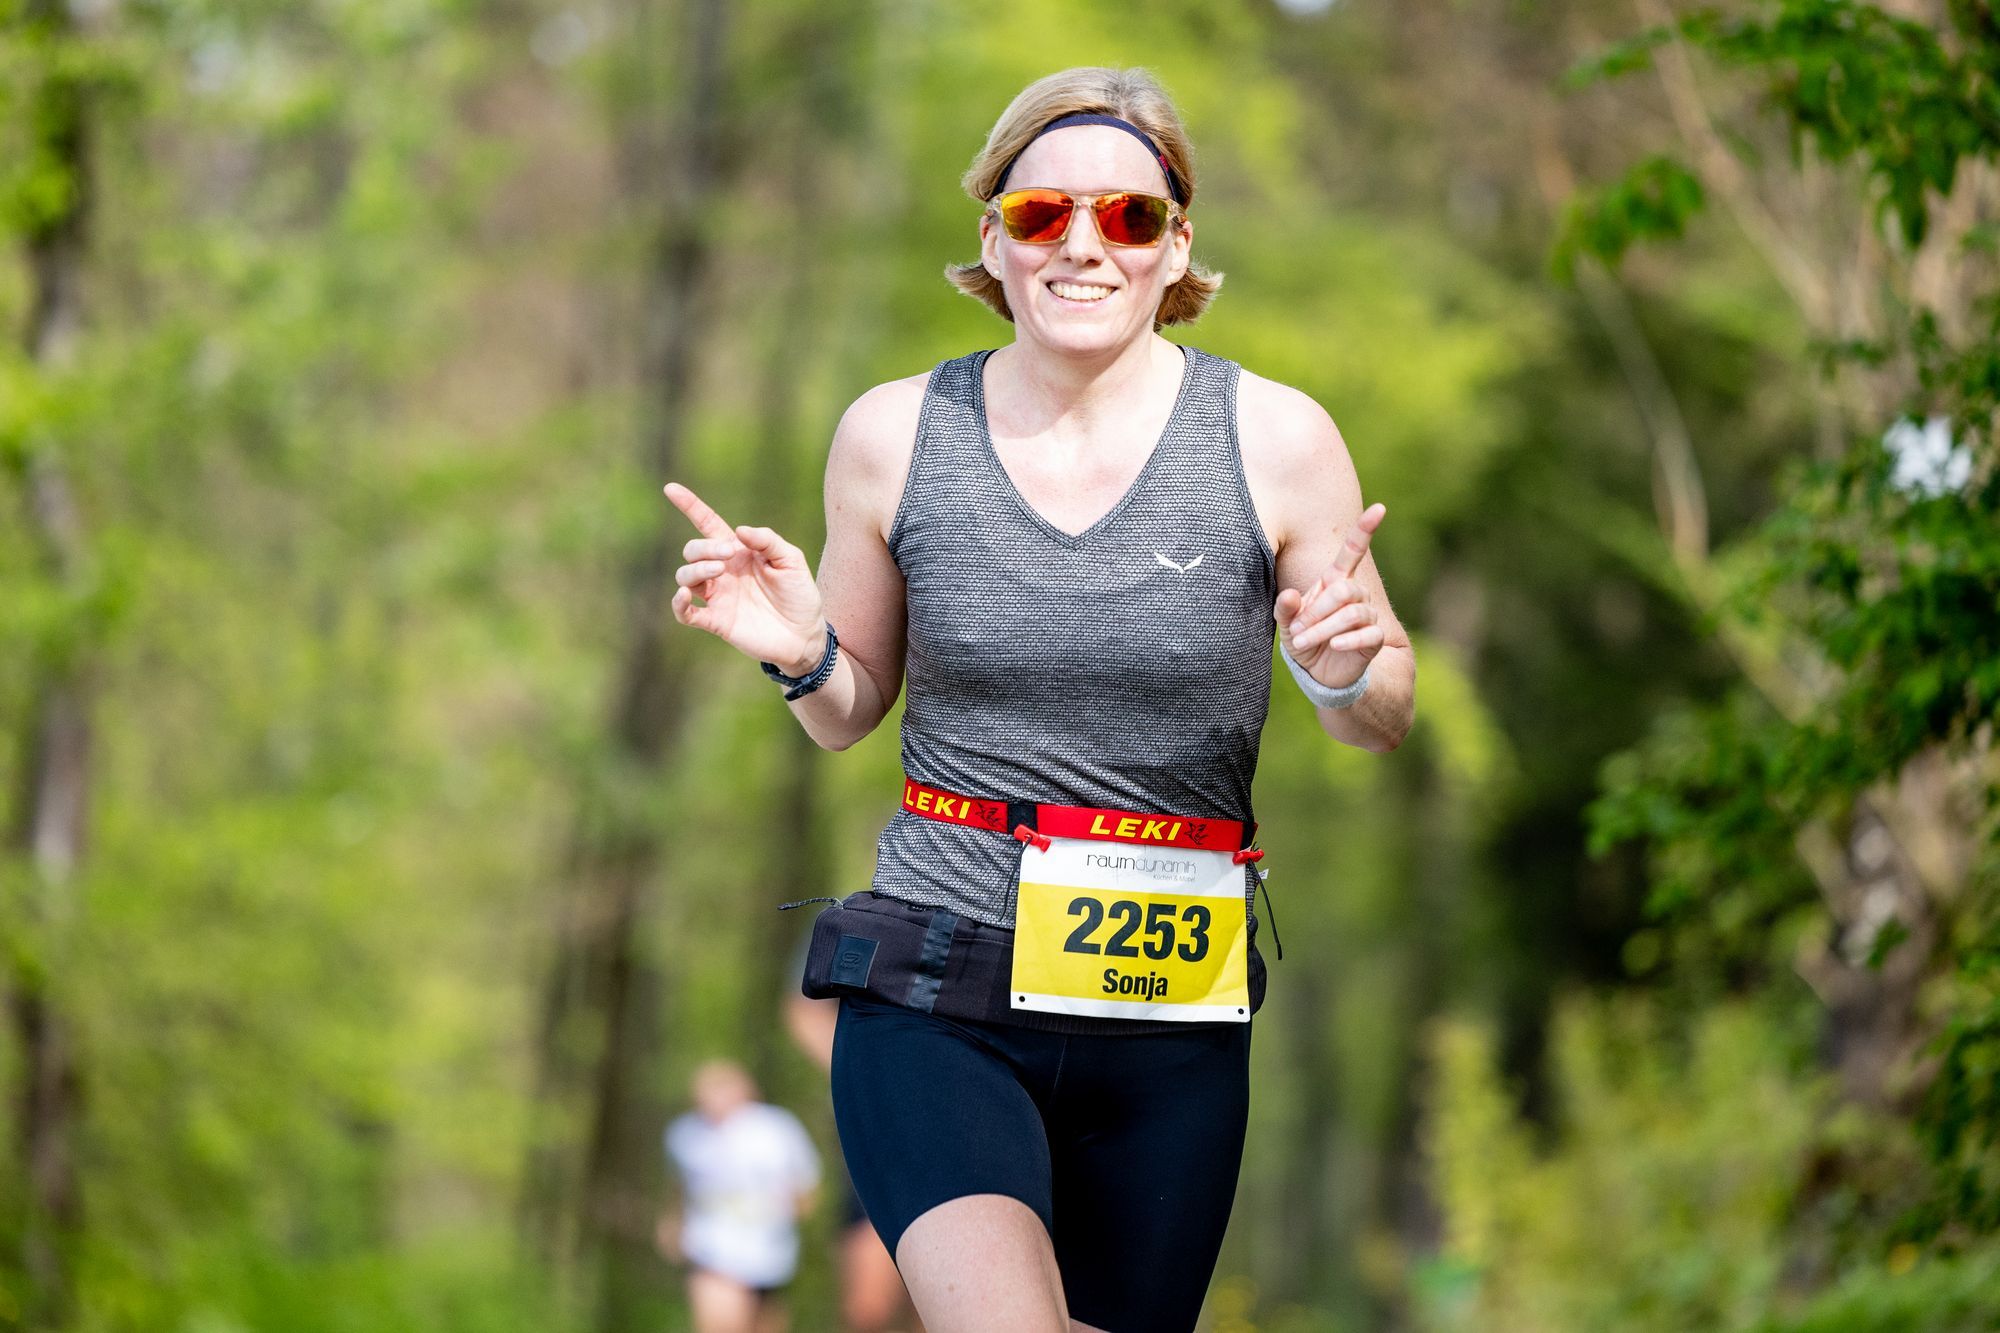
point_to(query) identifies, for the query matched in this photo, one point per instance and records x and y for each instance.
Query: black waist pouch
(937, 962)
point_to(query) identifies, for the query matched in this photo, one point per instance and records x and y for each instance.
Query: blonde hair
(1129, 94)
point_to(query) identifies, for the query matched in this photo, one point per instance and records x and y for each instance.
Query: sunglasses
(1126, 217)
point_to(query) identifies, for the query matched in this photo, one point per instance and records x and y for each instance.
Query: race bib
(1127, 930)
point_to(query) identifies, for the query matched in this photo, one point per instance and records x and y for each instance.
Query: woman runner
(1073, 549)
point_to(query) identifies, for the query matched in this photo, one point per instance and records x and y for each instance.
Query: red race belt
(1036, 823)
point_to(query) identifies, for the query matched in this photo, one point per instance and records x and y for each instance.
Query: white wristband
(1325, 696)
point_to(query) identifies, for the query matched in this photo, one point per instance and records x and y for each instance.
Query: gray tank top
(1126, 666)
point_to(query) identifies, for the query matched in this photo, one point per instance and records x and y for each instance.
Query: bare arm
(1332, 610)
(667, 1235)
(811, 1023)
(759, 595)
(862, 587)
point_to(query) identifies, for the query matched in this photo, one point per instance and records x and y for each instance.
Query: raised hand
(1332, 629)
(756, 591)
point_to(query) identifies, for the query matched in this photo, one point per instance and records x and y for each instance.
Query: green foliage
(1900, 595)
(230, 969)
(1655, 201)
(1661, 1200)
(47, 77)
(1880, 578)
(1863, 613)
(1665, 1194)
(1960, 1115)
(351, 429)
(223, 1280)
(1907, 101)
(1903, 1295)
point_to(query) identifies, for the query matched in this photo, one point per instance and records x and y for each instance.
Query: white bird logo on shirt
(1171, 565)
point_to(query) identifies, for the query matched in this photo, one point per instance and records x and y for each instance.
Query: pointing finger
(697, 510)
(1355, 547)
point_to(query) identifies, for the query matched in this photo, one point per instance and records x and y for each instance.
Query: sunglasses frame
(1175, 214)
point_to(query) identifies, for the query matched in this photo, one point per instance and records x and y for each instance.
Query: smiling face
(1080, 296)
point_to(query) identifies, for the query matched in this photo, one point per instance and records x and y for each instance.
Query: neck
(1053, 386)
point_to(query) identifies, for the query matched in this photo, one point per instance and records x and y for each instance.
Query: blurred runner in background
(748, 1173)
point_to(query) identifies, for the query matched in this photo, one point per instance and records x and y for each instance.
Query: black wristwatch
(797, 687)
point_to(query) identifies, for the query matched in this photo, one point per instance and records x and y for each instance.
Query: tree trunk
(49, 836)
(591, 1204)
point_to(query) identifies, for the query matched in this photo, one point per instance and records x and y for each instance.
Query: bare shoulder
(1294, 458)
(1284, 430)
(872, 446)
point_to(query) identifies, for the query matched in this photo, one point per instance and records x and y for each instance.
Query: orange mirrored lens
(1131, 219)
(1036, 215)
(1042, 216)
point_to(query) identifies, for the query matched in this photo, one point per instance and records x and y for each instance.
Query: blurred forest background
(379, 858)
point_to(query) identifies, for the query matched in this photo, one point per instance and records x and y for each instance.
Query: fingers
(711, 548)
(1290, 604)
(701, 571)
(764, 541)
(721, 539)
(772, 547)
(707, 558)
(1367, 639)
(1330, 598)
(688, 613)
(1331, 629)
(707, 520)
(1289, 610)
(1354, 547)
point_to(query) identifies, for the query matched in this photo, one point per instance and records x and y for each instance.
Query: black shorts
(852, 1212)
(1127, 1147)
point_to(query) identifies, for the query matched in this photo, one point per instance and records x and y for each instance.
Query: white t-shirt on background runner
(743, 1180)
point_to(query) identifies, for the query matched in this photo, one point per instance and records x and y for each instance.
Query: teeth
(1077, 291)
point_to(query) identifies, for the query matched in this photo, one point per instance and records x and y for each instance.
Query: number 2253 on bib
(1123, 930)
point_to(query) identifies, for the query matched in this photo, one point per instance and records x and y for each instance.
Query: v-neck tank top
(1126, 666)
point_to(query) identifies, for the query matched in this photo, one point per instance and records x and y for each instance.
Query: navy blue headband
(1094, 118)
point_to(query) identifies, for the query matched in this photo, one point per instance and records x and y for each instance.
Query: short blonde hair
(1129, 94)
